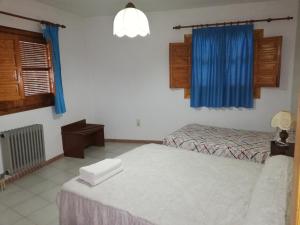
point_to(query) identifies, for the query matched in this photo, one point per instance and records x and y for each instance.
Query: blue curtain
(50, 33)
(222, 67)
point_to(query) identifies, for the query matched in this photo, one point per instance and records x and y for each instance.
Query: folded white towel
(98, 172)
(95, 181)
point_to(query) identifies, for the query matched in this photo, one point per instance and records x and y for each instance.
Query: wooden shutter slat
(267, 62)
(8, 76)
(11, 87)
(180, 65)
(34, 55)
(9, 92)
(35, 68)
(36, 82)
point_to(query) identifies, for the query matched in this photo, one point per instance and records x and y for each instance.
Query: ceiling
(89, 8)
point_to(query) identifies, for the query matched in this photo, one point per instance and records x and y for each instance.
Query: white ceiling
(89, 8)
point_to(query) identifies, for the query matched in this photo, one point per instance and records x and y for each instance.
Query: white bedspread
(164, 186)
(269, 204)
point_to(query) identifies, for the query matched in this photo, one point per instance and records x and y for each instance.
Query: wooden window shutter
(11, 86)
(36, 69)
(267, 62)
(26, 71)
(180, 65)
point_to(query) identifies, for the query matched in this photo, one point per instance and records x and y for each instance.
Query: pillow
(269, 200)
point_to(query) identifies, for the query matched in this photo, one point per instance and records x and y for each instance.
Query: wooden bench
(79, 135)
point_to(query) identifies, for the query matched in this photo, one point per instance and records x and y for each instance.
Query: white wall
(296, 83)
(131, 76)
(74, 73)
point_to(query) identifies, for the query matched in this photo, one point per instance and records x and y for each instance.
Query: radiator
(22, 148)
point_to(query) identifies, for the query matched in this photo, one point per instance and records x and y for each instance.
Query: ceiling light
(131, 22)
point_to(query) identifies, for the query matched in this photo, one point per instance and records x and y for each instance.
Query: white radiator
(22, 148)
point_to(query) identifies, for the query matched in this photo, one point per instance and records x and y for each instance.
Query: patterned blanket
(232, 143)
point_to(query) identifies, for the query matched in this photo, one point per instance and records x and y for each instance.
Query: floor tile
(31, 205)
(61, 178)
(10, 189)
(47, 171)
(101, 149)
(63, 164)
(15, 198)
(114, 145)
(9, 217)
(44, 216)
(95, 153)
(79, 161)
(54, 222)
(119, 151)
(42, 187)
(121, 147)
(2, 207)
(24, 221)
(51, 194)
(29, 181)
(74, 171)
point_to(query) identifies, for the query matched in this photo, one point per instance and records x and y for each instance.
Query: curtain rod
(31, 19)
(233, 23)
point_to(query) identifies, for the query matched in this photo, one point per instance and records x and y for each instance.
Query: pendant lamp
(131, 22)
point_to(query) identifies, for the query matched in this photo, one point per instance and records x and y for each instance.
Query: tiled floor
(31, 200)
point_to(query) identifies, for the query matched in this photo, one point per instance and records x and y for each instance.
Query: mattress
(163, 186)
(231, 143)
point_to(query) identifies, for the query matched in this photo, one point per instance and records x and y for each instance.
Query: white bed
(163, 186)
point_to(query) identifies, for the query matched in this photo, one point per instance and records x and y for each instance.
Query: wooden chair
(79, 135)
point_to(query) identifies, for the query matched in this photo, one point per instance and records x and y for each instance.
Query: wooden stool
(2, 184)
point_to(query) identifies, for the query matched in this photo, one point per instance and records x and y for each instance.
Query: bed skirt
(76, 210)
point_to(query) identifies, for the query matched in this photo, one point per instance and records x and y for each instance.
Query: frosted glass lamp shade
(131, 22)
(283, 120)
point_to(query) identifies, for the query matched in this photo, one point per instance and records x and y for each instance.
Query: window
(26, 73)
(267, 61)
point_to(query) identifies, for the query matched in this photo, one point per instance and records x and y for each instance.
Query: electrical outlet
(138, 122)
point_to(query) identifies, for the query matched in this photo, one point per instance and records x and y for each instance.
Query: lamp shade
(131, 22)
(283, 120)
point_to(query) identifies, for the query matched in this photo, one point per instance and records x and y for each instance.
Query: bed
(232, 143)
(163, 186)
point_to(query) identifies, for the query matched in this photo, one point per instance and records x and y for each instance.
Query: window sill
(29, 103)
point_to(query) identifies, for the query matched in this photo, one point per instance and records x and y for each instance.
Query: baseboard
(134, 141)
(33, 169)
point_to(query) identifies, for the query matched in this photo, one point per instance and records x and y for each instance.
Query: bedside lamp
(282, 120)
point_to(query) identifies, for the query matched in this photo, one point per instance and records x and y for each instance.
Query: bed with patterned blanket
(232, 143)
